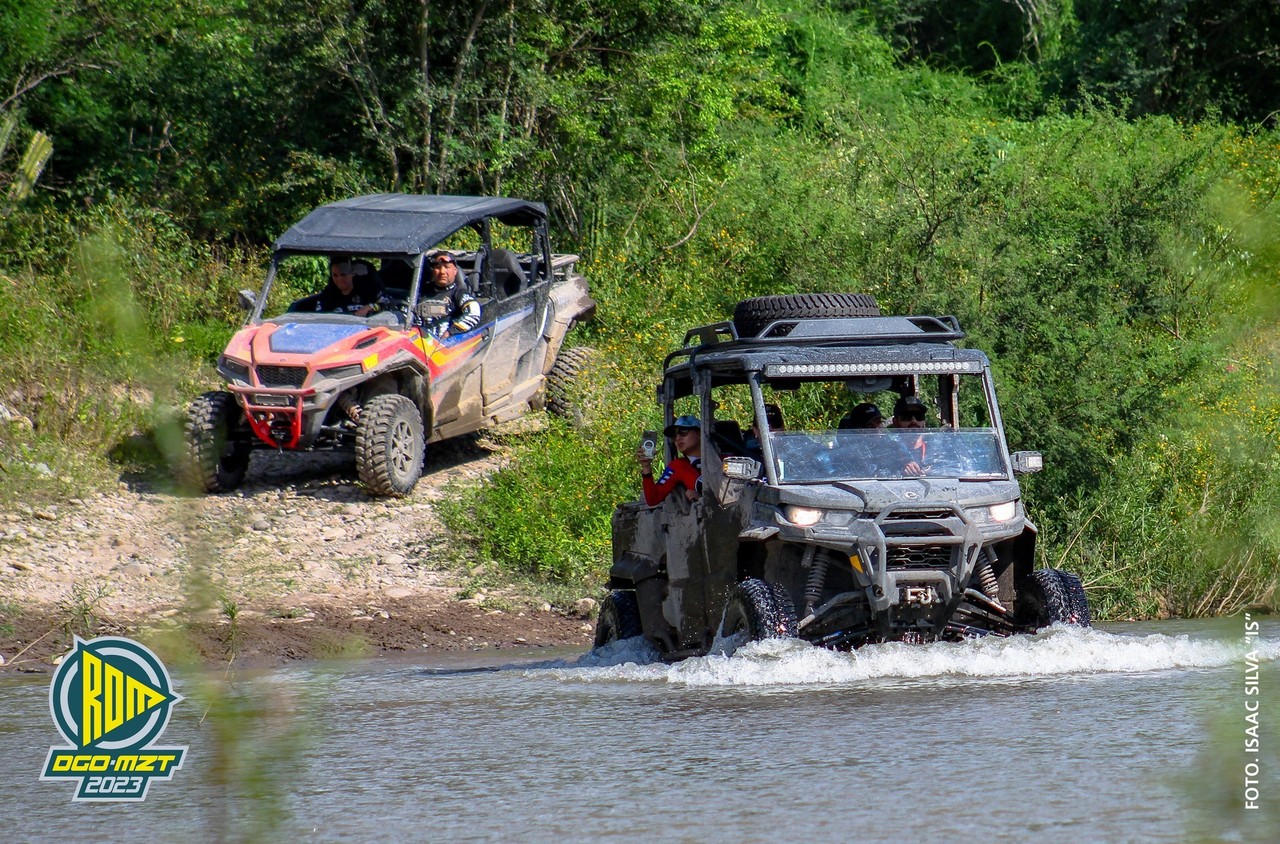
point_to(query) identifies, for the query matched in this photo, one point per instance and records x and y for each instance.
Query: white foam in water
(633, 651)
(1055, 651)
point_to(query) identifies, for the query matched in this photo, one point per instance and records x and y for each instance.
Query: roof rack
(707, 335)
(717, 333)
(865, 329)
(820, 330)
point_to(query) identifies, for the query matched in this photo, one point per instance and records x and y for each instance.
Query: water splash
(1056, 651)
(632, 652)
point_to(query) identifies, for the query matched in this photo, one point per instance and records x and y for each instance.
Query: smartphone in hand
(649, 444)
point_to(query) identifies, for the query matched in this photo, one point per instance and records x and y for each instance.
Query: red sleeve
(679, 473)
(655, 493)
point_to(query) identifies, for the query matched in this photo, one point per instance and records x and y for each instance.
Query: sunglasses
(916, 413)
(680, 431)
(440, 262)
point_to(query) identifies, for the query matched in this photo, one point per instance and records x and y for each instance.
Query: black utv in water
(824, 525)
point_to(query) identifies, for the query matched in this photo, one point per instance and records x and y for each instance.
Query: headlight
(1003, 512)
(341, 371)
(995, 514)
(233, 368)
(802, 516)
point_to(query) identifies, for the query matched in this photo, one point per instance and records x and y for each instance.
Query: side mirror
(1027, 462)
(740, 468)
(248, 300)
(430, 310)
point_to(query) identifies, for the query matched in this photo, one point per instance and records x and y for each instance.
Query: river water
(1128, 732)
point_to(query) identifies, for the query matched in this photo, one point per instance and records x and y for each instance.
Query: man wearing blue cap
(684, 472)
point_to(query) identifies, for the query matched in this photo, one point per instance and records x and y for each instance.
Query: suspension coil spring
(817, 565)
(987, 578)
(349, 406)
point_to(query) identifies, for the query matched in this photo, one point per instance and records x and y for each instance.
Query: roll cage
(406, 228)
(788, 353)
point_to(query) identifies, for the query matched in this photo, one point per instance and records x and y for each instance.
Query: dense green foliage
(1186, 58)
(1089, 187)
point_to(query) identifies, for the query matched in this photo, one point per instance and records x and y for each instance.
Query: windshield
(305, 286)
(817, 456)
(901, 423)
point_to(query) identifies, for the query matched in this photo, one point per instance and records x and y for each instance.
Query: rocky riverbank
(298, 563)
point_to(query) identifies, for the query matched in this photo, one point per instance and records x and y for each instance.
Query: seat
(366, 268)
(306, 304)
(508, 275)
(397, 273)
(726, 436)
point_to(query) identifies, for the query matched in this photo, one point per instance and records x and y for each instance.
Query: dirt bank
(298, 563)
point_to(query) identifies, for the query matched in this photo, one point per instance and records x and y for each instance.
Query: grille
(282, 376)
(919, 556)
(904, 515)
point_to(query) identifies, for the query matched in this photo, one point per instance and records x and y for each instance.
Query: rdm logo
(111, 699)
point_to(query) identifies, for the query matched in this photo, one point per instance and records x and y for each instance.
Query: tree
(1179, 57)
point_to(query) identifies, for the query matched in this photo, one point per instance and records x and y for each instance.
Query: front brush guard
(876, 536)
(893, 528)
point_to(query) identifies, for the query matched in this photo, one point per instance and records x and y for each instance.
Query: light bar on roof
(801, 370)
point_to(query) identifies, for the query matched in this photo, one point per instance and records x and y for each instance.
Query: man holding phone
(684, 472)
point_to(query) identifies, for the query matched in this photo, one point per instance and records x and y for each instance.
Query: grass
(9, 612)
(80, 611)
(231, 639)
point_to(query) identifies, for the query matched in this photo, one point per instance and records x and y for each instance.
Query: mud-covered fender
(412, 383)
(1017, 559)
(643, 574)
(568, 302)
(417, 387)
(632, 568)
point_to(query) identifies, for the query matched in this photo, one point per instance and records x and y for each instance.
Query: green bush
(547, 512)
(111, 321)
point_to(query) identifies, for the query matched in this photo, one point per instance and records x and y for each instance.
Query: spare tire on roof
(752, 315)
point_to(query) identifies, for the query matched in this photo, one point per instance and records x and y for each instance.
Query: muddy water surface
(1128, 732)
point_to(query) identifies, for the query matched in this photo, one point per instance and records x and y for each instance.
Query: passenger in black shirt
(351, 289)
(887, 456)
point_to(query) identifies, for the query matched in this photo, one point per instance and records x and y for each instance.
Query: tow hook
(281, 428)
(919, 595)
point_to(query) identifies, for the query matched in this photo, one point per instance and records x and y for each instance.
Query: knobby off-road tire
(389, 445)
(752, 315)
(565, 383)
(619, 619)
(761, 610)
(217, 445)
(1057, 596)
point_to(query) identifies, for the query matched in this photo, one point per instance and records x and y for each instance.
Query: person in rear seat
(773, 416)
(684, 472)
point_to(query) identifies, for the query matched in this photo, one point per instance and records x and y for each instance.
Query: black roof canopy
(399, 224)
